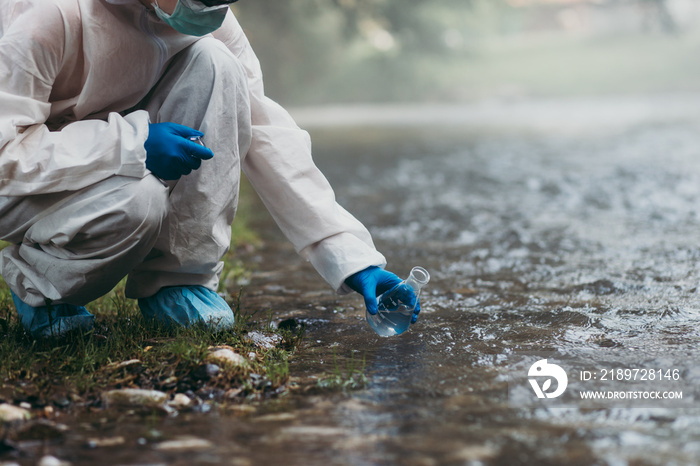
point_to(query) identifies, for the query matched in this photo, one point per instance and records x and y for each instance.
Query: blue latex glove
(374, 281)
(171, 151)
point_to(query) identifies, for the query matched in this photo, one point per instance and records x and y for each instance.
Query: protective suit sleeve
(34, 39)
(281, 170)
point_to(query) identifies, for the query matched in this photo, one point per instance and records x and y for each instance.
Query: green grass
(352, 377)
(243, 236)
(80, 366)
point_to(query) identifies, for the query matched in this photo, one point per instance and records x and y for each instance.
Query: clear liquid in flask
(396, 306)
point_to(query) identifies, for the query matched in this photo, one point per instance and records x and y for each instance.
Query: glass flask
(396, 306)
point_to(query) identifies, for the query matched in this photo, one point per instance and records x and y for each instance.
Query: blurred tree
(339, 51)
(301, 42)
(656, 12)
(294, 39)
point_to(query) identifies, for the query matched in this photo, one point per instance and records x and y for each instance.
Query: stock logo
(543, 370)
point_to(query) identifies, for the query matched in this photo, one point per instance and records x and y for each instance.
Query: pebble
(180, 401)
(133, 366)
(202, 408)
(52, 461)
(242, 409)
(233, 393)
(61, 401)
(184, 444)
(170, 382)
(134, 398)
(106, 442)
(276, 417)
(10, 413)
(226, 357)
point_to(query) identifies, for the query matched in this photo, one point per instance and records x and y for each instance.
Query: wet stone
(184, 444)
(168, 383)
(134, 398)
(52, 461)
(202, 408)
(600, 287)
(276, 417)
(61, 402)
(106, 442)
(12, 414)
(257, 380)
(42, 429)
(242, 409)
(226, 357)
(211, 393)
(233, 393)
(180, 401)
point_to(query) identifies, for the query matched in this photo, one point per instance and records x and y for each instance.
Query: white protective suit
(79, 82)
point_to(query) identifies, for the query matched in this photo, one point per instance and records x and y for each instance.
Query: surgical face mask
(193, 18)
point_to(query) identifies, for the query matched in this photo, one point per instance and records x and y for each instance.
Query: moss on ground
(80, 366)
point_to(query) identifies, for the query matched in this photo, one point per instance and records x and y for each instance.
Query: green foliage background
(345, 51)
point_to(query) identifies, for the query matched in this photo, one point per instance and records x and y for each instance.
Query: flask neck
(418, 278)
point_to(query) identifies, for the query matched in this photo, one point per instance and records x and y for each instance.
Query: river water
(560, 230)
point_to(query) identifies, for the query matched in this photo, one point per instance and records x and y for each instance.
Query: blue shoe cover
(187, 305)
(55, 320)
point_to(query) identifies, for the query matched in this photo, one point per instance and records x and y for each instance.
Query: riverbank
(126, 352)
(572, 244)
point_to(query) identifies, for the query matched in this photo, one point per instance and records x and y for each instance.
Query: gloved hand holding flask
(397, 305)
